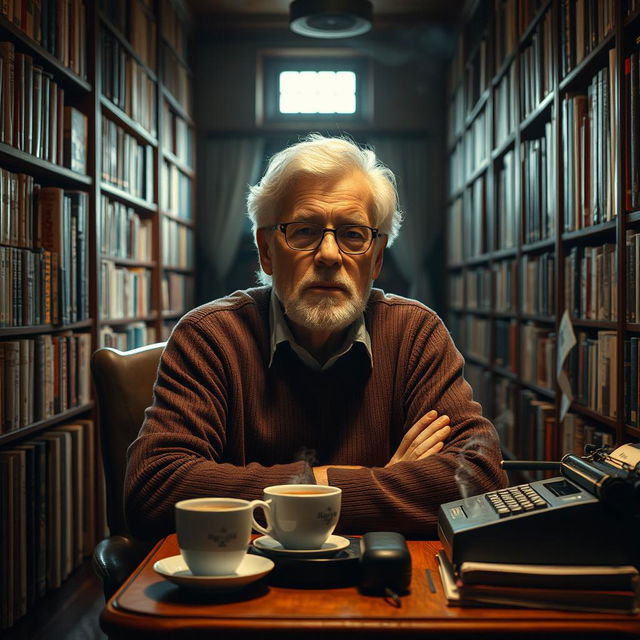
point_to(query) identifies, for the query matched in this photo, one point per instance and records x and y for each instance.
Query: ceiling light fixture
(330, 18)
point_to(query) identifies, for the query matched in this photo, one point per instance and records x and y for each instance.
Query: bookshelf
(543, 217)
(96, 249)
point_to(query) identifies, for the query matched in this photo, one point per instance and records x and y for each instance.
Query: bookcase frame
(481, 18)
(86, 95)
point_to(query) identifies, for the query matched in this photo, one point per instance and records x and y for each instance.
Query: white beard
(327, 313)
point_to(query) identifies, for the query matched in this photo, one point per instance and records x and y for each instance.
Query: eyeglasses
(307, 236)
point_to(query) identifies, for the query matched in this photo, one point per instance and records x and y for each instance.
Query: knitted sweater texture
(224, 423)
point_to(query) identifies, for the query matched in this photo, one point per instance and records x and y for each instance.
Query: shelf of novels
(527, 150)
(59, 48)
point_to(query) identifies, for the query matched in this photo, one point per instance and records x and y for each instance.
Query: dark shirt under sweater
(224, 423)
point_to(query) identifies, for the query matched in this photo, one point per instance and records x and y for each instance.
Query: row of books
(535, 435)
(538, 355)
(129, 336)
(127, 84)
(457, 175)
(631, 109)
(477, 337)
(49, 282)
(123, 232)
(583, 25)
(536, 67)
(172, 24)
(177, 292)
(506, 207)
(52, 492)
(591, 282)
(506, 34)
(592, 367)
(456, 116)
(631, 382)
(175, 191)
(42, 376)
(136, 22)
(477, 140)
(477, 293)
(175, 77)
(456, 291)
(125, 292)
(126, 163)
(505, 275)
(504, 106)
(59, 26)
(177, 244)
(539, 185)
(477, 74)
(505, 344)
(538, 294)
(34, 118)
(474, 239)
(455, 233)
(632, 256)
(589, 149)
(177, 135)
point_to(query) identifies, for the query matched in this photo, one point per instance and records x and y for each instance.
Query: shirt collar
(280, 332)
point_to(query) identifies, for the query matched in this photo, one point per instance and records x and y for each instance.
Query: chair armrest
(115, 558)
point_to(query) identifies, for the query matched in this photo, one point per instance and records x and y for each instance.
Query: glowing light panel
(317, 92)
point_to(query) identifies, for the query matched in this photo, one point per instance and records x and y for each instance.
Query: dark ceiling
(275, 13)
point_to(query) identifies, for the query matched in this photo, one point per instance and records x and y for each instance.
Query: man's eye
(302, 232)
(352, 233)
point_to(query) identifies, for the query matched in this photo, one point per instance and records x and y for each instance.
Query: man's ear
(377, 267)
(264, 250)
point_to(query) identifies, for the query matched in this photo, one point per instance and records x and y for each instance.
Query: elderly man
(318, 377)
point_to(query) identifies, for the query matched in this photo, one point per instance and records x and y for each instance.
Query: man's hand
(425, 438)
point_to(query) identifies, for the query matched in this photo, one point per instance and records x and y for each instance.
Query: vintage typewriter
(587, 515)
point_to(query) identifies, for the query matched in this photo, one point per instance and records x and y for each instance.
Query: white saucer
(251, 568)
(272, 547)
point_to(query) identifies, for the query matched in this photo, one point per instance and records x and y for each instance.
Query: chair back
(123, 382)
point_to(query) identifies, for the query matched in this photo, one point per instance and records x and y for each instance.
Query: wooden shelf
(535, 317)
(127, 46)
(127, 198)
(36, 427)
(173, 159)
(128, 123)
(16, 160)
(117, 322)
(129, 262)
(185, 221)
(44, 328)
(587, 66)
(176, 106)
(539, 246)
(188, 271)
(542, 391)
(539, 113)
(69, 79)
(608, 227)
(594, 324)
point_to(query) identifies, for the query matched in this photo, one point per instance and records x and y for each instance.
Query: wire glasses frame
(352, 239)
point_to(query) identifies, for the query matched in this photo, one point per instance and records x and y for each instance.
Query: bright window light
(317, 92)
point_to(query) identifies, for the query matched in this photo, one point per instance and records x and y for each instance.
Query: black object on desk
(385, 563)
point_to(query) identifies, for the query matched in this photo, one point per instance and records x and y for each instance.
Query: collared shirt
(280, 332)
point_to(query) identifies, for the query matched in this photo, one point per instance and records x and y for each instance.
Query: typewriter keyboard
(515, 500)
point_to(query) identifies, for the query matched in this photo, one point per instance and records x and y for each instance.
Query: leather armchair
(123, 382)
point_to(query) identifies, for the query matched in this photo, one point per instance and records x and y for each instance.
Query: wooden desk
(149, 606)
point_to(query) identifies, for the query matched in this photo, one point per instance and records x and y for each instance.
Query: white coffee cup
(214, 533)
(300, 516)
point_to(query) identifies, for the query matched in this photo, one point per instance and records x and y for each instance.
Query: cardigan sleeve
(405, 497)
(178, 452)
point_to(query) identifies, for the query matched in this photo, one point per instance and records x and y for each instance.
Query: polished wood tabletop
(148, 605)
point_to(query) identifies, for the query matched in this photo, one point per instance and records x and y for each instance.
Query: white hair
(321, 157)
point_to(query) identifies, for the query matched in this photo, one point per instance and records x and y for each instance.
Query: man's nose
(328, 253)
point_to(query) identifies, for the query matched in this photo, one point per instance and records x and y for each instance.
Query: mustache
(319, 279)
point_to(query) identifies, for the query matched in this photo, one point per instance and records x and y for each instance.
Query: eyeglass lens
(350, 238)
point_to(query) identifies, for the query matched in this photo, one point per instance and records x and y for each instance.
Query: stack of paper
(612, 589)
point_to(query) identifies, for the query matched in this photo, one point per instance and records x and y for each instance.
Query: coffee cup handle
(266, 508)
